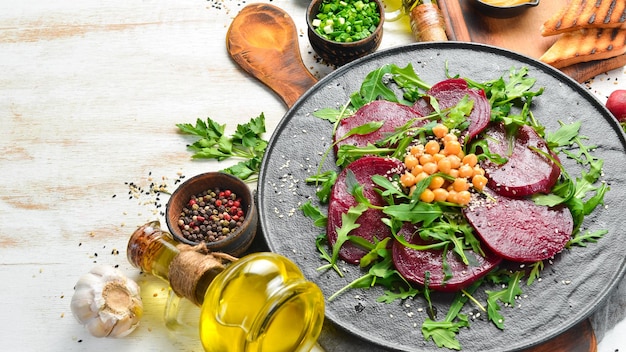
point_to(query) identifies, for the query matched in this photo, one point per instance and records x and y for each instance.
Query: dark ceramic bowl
(237, 241)
(502, 11)
(340, 53)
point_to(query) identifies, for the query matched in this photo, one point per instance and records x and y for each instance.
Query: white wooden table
(90, 92)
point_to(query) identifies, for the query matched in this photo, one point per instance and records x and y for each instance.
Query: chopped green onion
(346, 20)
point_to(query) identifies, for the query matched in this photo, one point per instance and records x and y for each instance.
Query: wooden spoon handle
(263, 40)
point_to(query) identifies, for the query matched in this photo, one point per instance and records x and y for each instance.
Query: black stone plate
(573, 285)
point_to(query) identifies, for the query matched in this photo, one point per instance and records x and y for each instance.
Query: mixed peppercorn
(211, 216)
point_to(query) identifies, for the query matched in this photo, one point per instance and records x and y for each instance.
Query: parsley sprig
(245, 143)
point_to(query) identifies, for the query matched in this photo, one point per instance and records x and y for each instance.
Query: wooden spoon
(263, 40)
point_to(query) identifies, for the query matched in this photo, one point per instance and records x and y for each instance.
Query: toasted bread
(579, 14)
(585, 45)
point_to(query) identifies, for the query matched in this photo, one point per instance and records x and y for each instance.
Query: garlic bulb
(107, 302)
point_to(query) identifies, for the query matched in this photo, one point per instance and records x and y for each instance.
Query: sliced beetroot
(414, 264)
(518, 229)
(448, 94)
(393, 114)
(341, 200)
(526, 172)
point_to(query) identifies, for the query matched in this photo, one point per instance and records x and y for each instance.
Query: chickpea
(410, 161)
(463, 197)
(441, 195)
(432, 147)
(407, 179)
(437, 157)
(444, 165)
(452, 148)
(417, 169)
(452, 196)
(417, 150)
(427, 196)
(478, 171)
(460, 184)
(422, 175)
(470, 159)
(466, 171)
(455, 161)
(436, 182)
(440, 130)
(430, 168)
(450, 137)
(426, 158)
(479, 182)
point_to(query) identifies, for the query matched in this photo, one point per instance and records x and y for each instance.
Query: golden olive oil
(260, 302)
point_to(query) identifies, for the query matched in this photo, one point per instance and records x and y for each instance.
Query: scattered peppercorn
(211, 216)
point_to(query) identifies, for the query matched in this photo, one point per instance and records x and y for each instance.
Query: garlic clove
(107, 302)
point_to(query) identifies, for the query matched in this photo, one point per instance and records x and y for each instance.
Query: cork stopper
(193, 269)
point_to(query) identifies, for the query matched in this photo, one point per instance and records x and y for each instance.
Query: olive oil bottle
(260, 302)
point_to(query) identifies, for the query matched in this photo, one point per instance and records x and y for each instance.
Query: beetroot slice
(413, 264)
(518, 229)
(526, 172)
(393, 114)
(448, 94)
(341, 200)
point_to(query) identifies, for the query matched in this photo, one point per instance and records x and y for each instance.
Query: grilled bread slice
(585, 45)
(579, 14)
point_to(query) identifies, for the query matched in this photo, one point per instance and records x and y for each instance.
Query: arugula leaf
(320, 243)
(325, 181)
(372, 88)
(391, 296)
(348, 153)
(582, 239)
(348, 223)
(506, 295)
(381, 272)
(581, 195)
(504, 95)
(536, 268)
(314, 213)
(444, 332)
(564, 136)
(422, 212)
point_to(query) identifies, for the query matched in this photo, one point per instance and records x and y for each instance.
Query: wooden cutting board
(520, 33)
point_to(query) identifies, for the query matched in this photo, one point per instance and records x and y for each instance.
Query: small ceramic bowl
(340, 53)
(503, 11)
(237, 241)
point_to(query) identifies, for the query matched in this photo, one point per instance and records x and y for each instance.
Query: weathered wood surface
(521, 33)
(90, 93)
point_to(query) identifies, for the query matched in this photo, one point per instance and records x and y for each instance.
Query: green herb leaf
(372, 88)
(314, 213)
(325, 182)
(348, 223)
(245, 143)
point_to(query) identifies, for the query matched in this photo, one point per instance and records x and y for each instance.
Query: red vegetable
(616, 104)
(448, 94)
(341, 200)
(414, 264)
(526, 172)
(394, 115)
(518, 229)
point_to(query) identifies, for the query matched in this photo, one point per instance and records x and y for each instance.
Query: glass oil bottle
(260, 302)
